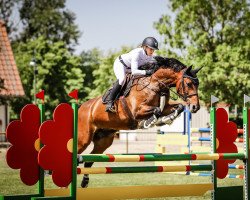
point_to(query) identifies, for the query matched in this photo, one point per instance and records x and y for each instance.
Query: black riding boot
(115, 91)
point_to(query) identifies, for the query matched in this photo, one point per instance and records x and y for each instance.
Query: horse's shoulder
(90, 102)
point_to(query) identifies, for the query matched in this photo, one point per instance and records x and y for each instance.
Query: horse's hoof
(84, 185)
(85, 182)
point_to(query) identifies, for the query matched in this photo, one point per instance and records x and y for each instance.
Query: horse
(142, 102)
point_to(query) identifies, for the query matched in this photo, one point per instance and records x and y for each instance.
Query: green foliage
(228, 77)
(50, 19)
(104, 75)
(90, 61)
(6, 10)
(216, 35)
(59, 72)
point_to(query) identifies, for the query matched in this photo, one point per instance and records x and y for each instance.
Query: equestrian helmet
(150, 42)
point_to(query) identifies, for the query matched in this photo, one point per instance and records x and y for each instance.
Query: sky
(110, 24)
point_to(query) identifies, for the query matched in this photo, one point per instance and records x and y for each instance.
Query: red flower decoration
(56, 136)
(23, 135)
(226, 135)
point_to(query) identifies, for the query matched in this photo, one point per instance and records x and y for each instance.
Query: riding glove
(149, 72)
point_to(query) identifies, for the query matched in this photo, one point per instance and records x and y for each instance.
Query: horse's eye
(189, 84)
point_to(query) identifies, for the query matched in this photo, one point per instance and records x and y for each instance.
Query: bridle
(184, 96)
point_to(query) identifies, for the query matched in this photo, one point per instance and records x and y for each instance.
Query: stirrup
(110, 108)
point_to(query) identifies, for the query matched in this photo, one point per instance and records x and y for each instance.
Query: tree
(59, 72)
(6, 11)
(50, 19)
(90, 62)
(214, 34)
(104, 75)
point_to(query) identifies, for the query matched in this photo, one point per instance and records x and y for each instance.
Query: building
(10, 76)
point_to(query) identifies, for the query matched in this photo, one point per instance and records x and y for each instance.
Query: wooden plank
(129, 192)
(172, 139)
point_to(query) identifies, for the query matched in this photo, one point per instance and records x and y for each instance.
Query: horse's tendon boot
(170, 118)
(150, 122)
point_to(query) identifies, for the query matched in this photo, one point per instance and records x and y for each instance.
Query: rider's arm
(135, 65)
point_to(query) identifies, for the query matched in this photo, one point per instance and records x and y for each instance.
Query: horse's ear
(195, 71)
(189, 69)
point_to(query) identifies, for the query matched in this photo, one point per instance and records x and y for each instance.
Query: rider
(130, 62)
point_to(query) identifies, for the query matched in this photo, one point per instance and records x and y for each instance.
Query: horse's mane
(161, 62)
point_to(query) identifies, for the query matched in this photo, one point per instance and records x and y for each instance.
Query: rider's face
(149, 51)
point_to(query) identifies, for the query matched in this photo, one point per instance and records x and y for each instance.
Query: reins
(163, 86)
(183, 83)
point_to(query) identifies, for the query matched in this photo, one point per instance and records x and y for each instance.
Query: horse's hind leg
(102, 140)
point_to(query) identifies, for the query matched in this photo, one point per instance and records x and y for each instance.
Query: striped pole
(207, 130)
(246, 125)
(207, 139)
(41, 171)
(202, 139)
(142, 169)
(160, 157)
(230, 166)
(73, 186)
(209, 174)
(203, 130)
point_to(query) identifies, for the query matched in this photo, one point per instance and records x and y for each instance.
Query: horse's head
(170, 72)
(187, 88)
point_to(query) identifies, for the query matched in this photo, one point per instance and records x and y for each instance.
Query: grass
(11, 184)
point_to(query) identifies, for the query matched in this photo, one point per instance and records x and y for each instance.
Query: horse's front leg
(151, 113)
(169, 114)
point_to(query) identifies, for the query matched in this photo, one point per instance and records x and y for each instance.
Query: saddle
(128, 83)
(126, 86)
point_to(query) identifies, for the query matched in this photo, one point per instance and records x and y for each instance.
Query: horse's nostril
(194, 108)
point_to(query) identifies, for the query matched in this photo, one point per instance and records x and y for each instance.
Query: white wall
(2, 118)
(176, 127)
(201, 119)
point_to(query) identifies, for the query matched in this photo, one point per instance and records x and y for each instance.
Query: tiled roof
(8, 69)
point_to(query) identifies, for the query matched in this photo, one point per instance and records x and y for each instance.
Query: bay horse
(142, 102)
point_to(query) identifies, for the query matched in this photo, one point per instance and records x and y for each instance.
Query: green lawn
(11, 184)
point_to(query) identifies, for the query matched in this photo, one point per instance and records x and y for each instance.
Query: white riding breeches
(119, 70)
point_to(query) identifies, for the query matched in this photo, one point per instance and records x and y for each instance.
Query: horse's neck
(162, 79)
(168, 76)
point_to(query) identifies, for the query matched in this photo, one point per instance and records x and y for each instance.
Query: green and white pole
(246, 146)
(73, 188)
(41, 171)
(213, 148)
(213, 142)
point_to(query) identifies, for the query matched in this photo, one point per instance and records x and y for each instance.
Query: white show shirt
(134, 59)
